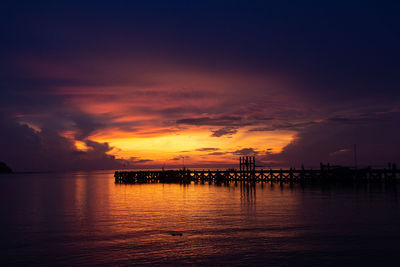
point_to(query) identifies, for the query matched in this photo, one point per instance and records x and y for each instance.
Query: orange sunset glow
(189, 144)
(180, 116)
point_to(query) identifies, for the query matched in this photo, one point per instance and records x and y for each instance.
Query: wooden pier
(324, 174)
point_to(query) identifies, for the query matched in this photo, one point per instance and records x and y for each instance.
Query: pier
(248, 173)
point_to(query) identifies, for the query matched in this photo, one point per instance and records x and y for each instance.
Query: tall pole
(250, 163)
(355, 156)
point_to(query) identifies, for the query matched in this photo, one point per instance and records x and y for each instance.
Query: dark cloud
(333, 141)
(136, 160)
(230, 123)
(282, 126)
(179, 109)
(207, 149)
(218, 121)
(27, 150)
(186, 94)
(86, 125)
(360, 119)
(329, 60)
(224, 131)
(246, 152)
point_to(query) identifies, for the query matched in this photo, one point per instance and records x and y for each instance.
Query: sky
(149, 84)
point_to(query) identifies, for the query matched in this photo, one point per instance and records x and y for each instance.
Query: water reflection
(84, 218)
(248, 193)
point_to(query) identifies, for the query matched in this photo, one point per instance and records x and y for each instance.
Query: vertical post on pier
(243, 166)
(247, 165)
(355, 156)
(240, 164)
(251, 165)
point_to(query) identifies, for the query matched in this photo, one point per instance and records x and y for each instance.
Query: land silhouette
(4, 168)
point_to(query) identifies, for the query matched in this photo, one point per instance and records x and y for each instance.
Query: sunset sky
(147, 84)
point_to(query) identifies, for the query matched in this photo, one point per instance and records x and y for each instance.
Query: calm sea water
(85, 219)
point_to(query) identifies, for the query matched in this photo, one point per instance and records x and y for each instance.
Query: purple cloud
(224, 131)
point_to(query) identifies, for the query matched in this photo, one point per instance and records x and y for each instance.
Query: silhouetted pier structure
(247, 164)
(248, 173)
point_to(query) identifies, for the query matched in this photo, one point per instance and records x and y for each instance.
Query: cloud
(224, 131)
(283, 126)
(25, 149)
(135, 160)
(245, 152)
(86, 125)
(207, 149)
(217, 121)
(332, 141)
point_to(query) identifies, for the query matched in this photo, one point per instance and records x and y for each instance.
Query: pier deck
(288, 175)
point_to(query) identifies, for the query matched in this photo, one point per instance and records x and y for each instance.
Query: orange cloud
(157, 114)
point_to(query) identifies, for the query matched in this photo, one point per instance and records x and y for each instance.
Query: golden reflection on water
(80, 196)
(197, 209)
(84, 218)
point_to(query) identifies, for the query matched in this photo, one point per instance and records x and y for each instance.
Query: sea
(85, 219)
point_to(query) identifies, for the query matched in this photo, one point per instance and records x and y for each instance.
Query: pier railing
(288, 175)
